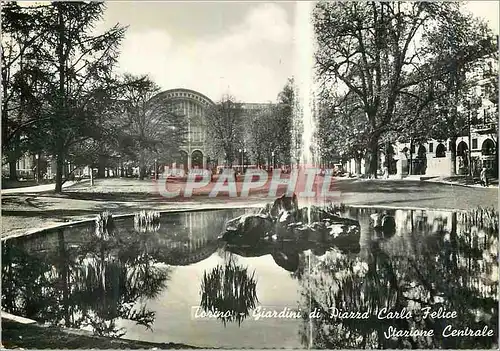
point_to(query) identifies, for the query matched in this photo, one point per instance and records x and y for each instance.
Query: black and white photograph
(249, 174)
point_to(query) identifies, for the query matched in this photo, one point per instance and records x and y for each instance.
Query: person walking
(483, 177)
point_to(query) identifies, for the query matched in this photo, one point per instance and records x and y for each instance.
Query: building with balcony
(433, 157)
(476, 147)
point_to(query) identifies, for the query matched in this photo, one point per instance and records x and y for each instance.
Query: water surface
(144, 283)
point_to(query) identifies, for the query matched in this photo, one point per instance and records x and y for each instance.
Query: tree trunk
(410, 166)
(59, 173)
(358, 166)
(495, 161)
(373, 157)
(66, 171)
(388, 159)
(142, 172)
(453, 150)
(101, 167)
(62, 96)
(13, 155)
(91, 175)
(13, 170)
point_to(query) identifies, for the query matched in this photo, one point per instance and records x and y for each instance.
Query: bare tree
(270, 130)
(369, 50)
(225, 128)
(153, 125)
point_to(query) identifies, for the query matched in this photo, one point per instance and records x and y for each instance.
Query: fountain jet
(304, 116)
(305, 111)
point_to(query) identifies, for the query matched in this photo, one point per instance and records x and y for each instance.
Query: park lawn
(150, 186)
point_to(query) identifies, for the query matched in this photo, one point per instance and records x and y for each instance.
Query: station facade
(195, 153)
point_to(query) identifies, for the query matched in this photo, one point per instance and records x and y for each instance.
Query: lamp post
(37, 174)
(120, 166)
(242, 154)
(243, 158)
(470, 141)
(155, 169)
(273, 160)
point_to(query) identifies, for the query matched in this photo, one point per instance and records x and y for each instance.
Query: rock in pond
(384, 224)
(248, 229)
(283, 223)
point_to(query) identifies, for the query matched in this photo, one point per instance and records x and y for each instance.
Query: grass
(33, 336)
(10, 184)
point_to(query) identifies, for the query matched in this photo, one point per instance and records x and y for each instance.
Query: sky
(245, 49)
(240, 48)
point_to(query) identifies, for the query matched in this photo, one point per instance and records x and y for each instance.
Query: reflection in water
(431, 259)
(229, 291)
(104, 226)
(283, 234)
(436, 261)
(147, 221)
(87, 286)
(90, 278)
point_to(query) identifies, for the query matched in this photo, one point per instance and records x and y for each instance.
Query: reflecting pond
(175, 282)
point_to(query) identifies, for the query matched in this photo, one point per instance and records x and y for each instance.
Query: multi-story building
(194, 152)
(475, 148)
(434, 157)
(194, 106)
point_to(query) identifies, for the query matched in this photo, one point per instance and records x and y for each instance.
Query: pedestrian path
(442, 181)
(17, 319)
(36, 188)
(429, 179)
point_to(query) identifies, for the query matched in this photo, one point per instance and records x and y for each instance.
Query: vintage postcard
(249, 175)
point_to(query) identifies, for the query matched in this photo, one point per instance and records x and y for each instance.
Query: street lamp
(242, 153)
(37, 174)
(243, 157)
(470, 141)
(120, 166)
(273, 160)
(155, 168)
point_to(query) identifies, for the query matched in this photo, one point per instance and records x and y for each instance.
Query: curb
(472, 186)
(406, 208)
(17, 319)
(19, 191)
(123, 215)
(427, 180)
